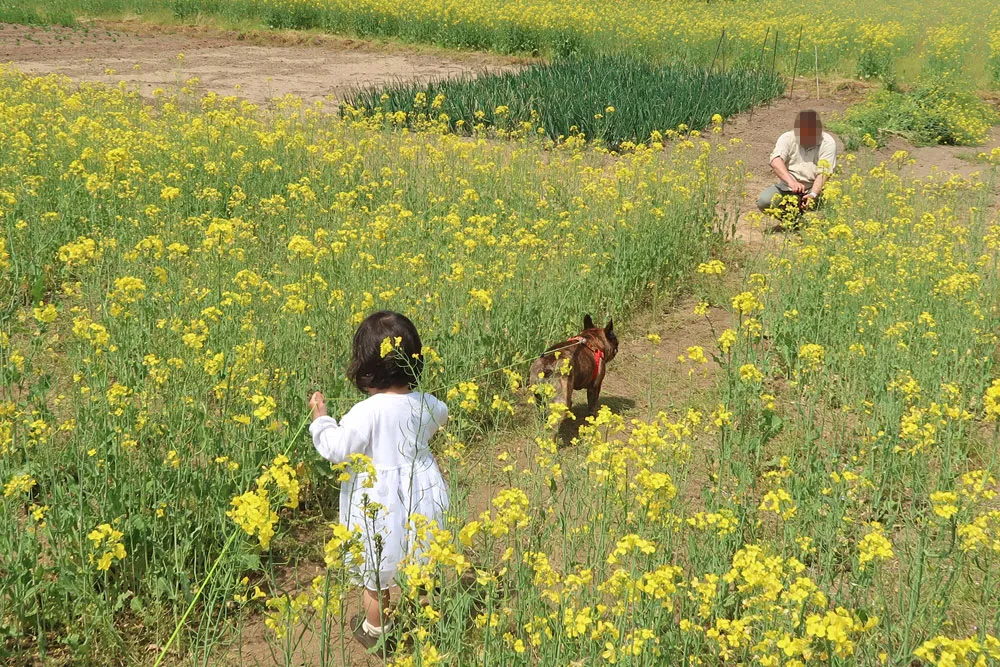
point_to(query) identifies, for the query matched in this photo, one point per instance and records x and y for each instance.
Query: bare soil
(229, 63)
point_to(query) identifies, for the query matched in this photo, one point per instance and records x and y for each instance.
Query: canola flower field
(177, 277)
(844, 36)
(838, 506)
(848, 514)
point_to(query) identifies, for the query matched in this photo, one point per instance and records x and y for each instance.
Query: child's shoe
(383, 642)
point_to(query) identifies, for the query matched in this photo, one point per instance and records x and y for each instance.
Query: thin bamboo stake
(760, 63)
(795, 67)
(708, 73)
(725, 80)
(816, 56)
(774, 59)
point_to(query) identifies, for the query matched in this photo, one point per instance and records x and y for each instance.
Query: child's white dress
(394, 430)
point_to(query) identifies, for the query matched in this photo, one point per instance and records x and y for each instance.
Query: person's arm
(335, 442)
(826, 163)
(817, 186)
(781, 171)
(439, 410)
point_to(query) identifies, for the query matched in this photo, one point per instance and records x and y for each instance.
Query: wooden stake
(795, 67)
(760, 65)
(725, 81)
(816, 52)
(774, 60)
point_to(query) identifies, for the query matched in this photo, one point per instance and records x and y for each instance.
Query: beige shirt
(804, 163)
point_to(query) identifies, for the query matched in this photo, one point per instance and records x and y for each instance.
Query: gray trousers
(766, 197)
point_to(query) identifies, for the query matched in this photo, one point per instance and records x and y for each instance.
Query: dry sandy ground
(224, 62)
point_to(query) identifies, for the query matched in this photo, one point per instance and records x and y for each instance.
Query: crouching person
(802, 159)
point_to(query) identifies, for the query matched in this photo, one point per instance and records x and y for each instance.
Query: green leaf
(120, 600)
(38, 289)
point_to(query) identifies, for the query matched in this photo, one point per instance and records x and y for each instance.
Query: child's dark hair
(370, 368)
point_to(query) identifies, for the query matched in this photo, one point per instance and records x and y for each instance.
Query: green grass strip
(610, 98)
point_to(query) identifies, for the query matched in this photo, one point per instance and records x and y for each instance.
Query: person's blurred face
(808, 133)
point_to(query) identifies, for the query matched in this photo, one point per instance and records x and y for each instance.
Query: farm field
(842, 36)
(795, 464)
(147, 59)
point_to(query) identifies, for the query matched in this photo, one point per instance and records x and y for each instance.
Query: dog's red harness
(598, 356)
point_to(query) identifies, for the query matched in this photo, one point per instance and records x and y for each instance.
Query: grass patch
(939, 112)
(20, 15)
(11, 12)
(610, 98)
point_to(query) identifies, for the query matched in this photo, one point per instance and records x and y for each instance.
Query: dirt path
(225, 63)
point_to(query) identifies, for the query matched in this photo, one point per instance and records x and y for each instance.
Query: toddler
(393, 427)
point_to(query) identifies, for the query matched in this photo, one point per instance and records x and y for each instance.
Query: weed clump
(932, 112)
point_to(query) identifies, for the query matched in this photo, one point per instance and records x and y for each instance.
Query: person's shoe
(383, 644)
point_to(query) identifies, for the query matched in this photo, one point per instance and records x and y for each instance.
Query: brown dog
(588, 354)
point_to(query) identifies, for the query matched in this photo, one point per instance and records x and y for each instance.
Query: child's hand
(317, 403)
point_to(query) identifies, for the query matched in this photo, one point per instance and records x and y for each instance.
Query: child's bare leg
(374, 605)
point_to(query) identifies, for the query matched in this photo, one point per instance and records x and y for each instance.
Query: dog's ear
(610, 329)
(588, 322)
